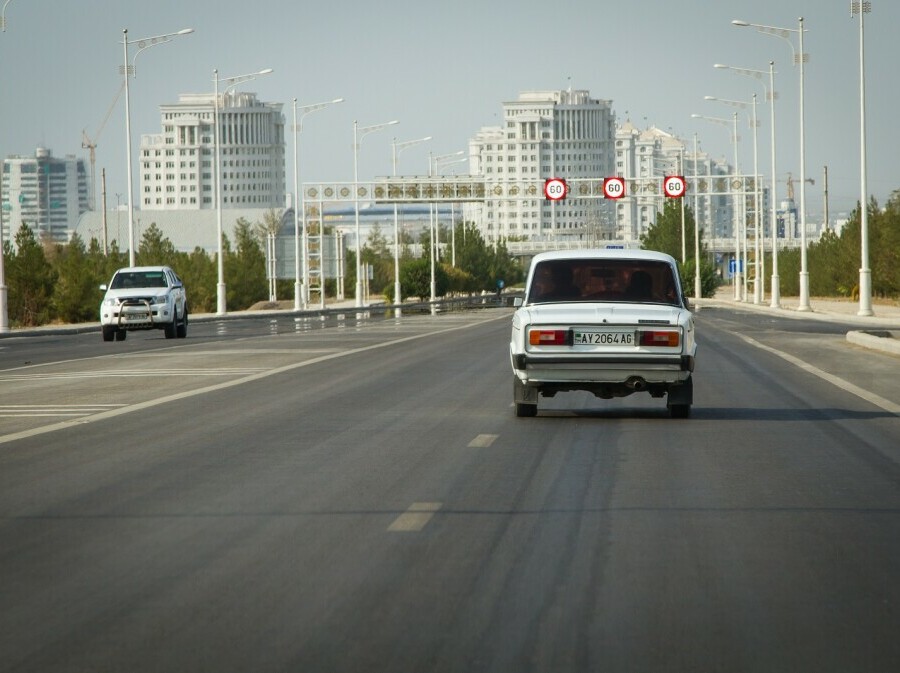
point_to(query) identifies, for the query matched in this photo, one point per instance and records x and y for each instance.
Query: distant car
(142, 298)
(611, 322)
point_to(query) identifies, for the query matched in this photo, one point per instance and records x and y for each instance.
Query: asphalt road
(358, 496)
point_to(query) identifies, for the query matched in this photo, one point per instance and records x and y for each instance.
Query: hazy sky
(445, 68)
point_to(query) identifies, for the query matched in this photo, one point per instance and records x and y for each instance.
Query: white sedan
(610, 322)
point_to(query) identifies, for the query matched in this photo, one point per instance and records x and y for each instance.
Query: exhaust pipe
(636, 383)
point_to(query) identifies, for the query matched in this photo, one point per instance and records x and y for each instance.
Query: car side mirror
(103, 288)
(518, 301)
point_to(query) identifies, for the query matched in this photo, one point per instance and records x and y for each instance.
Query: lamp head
(265, 72)
(338, 100)
(719, 65)
(738, 22)
(185, 31)
(710, 98)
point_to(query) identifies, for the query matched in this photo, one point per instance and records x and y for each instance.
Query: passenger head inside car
(640, 287)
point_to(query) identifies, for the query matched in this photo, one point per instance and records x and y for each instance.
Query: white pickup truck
(142, 298)
(611, 322)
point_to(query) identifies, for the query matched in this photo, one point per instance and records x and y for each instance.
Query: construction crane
(91, 144)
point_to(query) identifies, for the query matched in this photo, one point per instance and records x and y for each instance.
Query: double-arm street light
(865, 273)
(770, 95)
(737, 227)
(799, 59)
(396, 149)
(301, 292)
(128, 70)
(358, 135)
(4, 308)
(221, 303)
(757, 288)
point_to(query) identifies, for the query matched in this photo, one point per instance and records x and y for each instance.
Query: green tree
(665, 235)
(75, 294)
(155, 249)
(29, 279)
(245, 269)
(200, 275)
(415, 279)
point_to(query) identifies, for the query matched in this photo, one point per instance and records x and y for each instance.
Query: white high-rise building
(654, 153)
(45, 192)
(177, 166)
(546, 134)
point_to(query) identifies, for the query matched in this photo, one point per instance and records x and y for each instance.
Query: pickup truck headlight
(161, 299)
(112, 301)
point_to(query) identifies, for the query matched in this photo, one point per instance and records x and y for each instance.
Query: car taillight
(668, 338)
(548, 337)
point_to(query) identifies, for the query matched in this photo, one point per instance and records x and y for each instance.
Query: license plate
(136, 316)
(603, 338)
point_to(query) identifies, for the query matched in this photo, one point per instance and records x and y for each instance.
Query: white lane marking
(483, 441)
(870, 397)
(134, 373)
(175, 397)
(415, 518)
(40, 410)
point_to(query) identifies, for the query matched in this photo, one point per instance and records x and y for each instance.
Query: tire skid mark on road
(846, 386)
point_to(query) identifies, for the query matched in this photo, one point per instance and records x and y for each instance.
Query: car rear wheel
(680, 410)
(526, 410)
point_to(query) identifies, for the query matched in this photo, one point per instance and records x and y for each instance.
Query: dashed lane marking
(482, 441)
(415, 518)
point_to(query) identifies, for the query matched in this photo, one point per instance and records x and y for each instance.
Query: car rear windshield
(141, 279)
(603, 280)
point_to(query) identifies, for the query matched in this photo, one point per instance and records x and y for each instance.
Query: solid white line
(870, 397)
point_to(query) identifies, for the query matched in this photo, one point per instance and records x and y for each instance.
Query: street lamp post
(129, 70)
(301, 291)
(358, 135)
(396, 149)
(737, 260)
(865, 273)
(753, 121)
(221, 302)
(433, 164)
(770, 95)
(4, 307)
(799, 59)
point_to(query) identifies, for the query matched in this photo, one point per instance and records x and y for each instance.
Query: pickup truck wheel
(109, 332)
(171, 327)
(526, 410)
(181, 329)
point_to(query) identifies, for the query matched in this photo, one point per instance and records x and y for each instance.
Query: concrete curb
(881, 340)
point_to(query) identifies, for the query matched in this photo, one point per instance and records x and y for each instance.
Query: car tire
(526, 410)
(109, 332)
(680, 410)
(121, 334)
(171, 328)
(181, 329)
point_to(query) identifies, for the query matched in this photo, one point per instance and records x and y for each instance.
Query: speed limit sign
(614, 188)
(555, 189)
(674, 186)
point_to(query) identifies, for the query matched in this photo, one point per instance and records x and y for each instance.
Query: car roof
(604, 253)
(142, 268)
